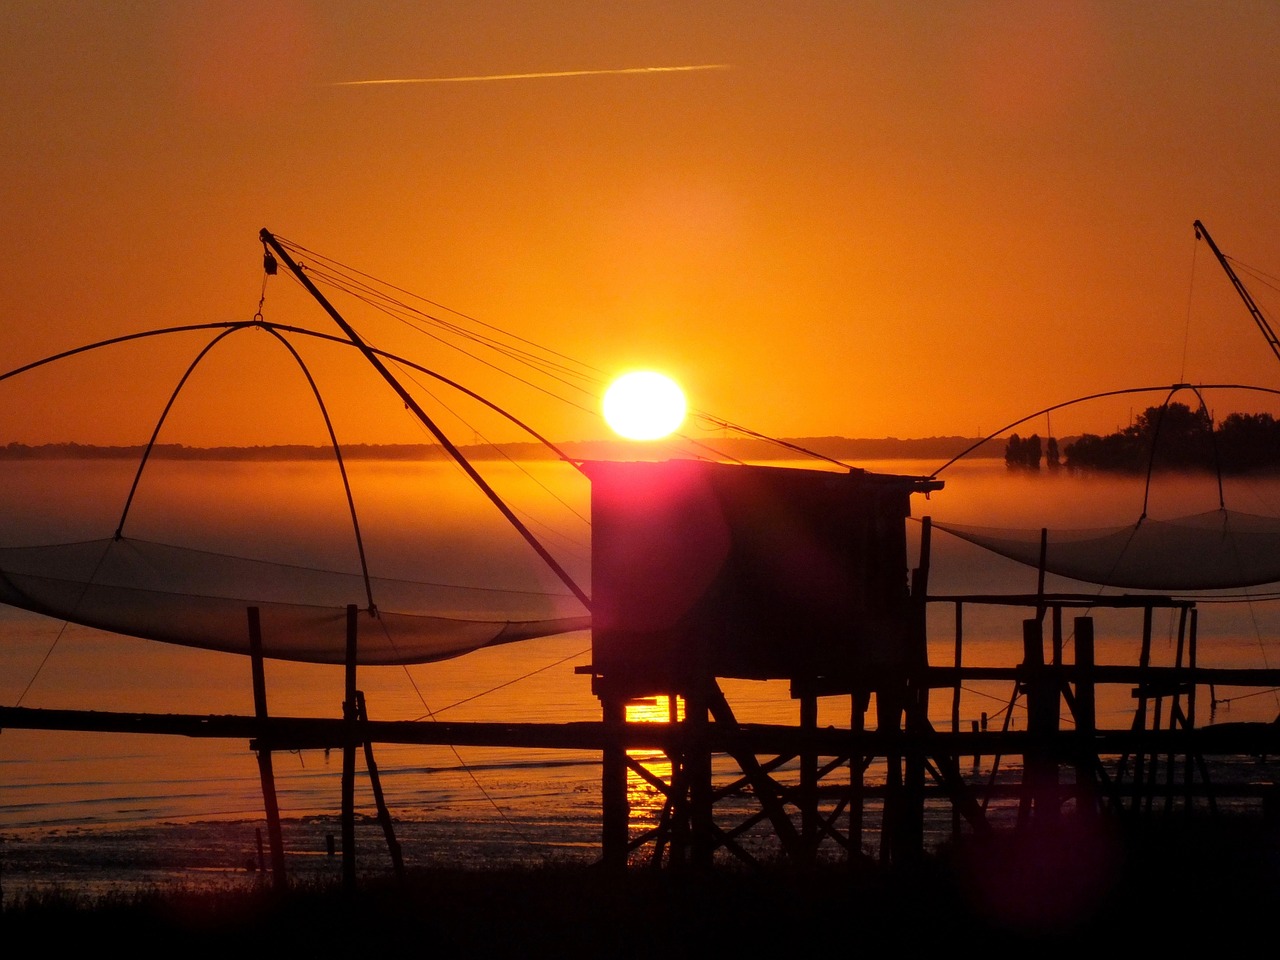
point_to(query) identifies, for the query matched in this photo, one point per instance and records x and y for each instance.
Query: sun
(644, 405)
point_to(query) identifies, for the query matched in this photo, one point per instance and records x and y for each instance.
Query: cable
(584, 375)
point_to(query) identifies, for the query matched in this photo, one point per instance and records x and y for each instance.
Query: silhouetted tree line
(1178, 438)
(1025, 453)
(744, 448)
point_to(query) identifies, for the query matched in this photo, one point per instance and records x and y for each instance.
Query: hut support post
(808, 778)
(1041, 766)
(615, 815)
(266, 770)
(698, 761)
(1086, 717)
(958, 662)
(860, 700)
(1191, 705)
(889, 720)
(908, 825)
(1057, 634)
(1140, 715)
(349, 759)
(1176, 717)
(1044, 559)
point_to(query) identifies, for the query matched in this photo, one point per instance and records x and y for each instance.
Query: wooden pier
(698, 586)
(864, 790)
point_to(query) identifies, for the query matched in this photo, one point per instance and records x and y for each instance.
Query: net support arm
(409, 401)
(1258, 318)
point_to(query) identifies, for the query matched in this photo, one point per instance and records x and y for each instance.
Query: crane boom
(1258, 318)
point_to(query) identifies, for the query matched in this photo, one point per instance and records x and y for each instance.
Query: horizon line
(427, 443)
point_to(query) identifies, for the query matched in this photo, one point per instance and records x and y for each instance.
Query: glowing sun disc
(644, 406)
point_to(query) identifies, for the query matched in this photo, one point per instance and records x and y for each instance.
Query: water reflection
(646, 798)
(421, 518)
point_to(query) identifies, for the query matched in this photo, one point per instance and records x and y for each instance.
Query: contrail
(531, 76)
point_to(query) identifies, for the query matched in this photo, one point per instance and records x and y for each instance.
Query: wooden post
(672, 835)
(1191, 702)
(1057, 634)
(349, 759)
(1086, 714)
(808, 777)
(910, 822)
(908, 819)
(1040, 777)
(859, 701)
(614, 814)
(1153, 766)
(889, 722)
(1175, 716)
(957, 662)
(1140, 715)
(266, 771)
(1044, 558)
(1191, 665)
(375, 781)
(698, 765)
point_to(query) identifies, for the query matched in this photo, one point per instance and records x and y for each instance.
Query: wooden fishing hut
(707, 571)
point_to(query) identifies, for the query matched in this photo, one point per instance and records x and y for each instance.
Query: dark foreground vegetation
(1172, 437)
(1212, 885)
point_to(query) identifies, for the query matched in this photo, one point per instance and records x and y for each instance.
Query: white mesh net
(200, 599)
(1219, 549)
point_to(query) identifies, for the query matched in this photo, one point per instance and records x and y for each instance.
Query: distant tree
(1116, 451)
(1176, 437)
(1248, 441)
(1022, 454)
(1032, 452)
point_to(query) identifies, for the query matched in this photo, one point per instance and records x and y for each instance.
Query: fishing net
(200, 599)
(1219, 549)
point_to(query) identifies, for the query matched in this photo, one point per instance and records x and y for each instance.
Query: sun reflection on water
(644, 797)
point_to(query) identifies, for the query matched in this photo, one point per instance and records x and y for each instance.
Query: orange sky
(872, 219)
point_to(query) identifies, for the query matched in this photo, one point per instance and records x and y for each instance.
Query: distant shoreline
(836, 448)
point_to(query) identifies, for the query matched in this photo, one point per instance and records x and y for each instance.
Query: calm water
(464, 803)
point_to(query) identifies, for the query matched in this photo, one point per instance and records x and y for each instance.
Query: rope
(84, 588)
(1155, 436)
(402, 312)
(462, 763)
(508, 683)
(376, 362)
(1186, 327)
(342, 469)
(553, 368)
(498, 449)
(43, 660)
